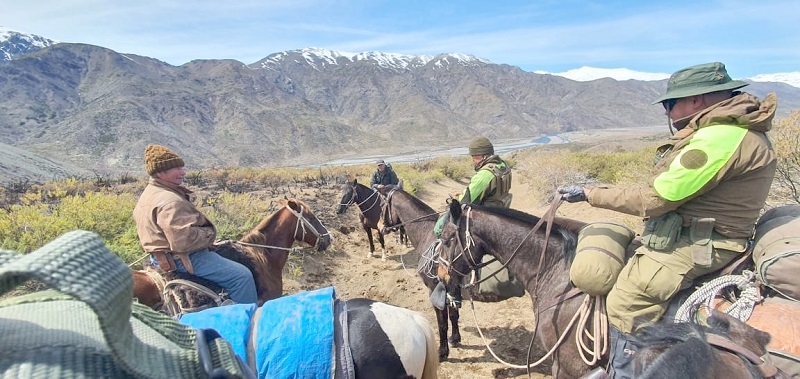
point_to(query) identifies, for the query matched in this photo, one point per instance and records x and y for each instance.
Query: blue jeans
(232, 276)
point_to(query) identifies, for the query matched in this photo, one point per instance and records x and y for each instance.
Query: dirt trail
(507, 325)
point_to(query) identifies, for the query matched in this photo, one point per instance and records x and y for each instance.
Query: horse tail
(431, 368)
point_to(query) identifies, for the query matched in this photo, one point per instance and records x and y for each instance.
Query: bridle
(466, 250)
(354, 200)
(386, 212)
(302, 223)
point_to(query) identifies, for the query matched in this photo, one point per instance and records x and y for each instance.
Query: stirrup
(597, 373)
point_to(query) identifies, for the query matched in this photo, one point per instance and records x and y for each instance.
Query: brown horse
(723, 347)
(369, 202)
(264, 250)
(505, 233)
(418, 219)
(538, 259)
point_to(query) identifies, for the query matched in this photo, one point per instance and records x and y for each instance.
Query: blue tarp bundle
(294, 334)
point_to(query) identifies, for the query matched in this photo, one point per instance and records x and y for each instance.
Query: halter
(466, 248)
(589, 354)
(354, 199)
(302, 222)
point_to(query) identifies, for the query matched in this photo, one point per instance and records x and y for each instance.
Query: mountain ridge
(95, 109)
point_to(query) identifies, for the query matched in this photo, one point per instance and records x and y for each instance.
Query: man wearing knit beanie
(177, 235)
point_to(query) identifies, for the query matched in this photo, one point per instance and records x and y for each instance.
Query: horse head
(349, 196)
(389, 219)
(309, 228)
(461, 252)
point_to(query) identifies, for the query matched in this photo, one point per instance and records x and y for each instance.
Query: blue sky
(750, 37)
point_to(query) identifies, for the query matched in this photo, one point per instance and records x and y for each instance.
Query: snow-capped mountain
(15, 43)
(318, 58)
(586, 73)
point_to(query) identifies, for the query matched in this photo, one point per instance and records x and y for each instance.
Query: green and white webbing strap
(143, 342)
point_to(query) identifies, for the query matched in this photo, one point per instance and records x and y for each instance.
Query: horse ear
(455, 209)
(355, 181)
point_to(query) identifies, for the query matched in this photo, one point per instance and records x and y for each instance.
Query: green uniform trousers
(651, 278)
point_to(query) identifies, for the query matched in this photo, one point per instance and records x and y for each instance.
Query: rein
(354, 199)
(592, 308)
(766, 368)
(387, 210)
(302, 222)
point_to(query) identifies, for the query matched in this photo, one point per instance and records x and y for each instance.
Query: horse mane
(415, 200)
(682, 348)
(567, 232)
(256, 236)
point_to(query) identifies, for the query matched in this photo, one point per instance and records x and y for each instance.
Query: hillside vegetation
(236, 199)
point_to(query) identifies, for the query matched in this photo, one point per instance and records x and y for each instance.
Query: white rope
(742, 308)
(428, 260)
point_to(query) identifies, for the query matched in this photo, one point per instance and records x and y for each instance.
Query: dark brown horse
(418, 219)
(505, 233)
(370, 203)
(513, 238)
(723, 347)
(264, 250)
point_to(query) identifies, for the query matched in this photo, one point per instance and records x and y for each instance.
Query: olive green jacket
(491, 184)
(720, 165)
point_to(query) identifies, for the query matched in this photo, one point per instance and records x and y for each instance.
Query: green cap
(481, 146)
(698, 80)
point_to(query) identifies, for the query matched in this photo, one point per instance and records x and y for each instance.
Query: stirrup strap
(79, 264)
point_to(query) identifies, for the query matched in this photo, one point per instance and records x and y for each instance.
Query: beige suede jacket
(721, 172)
(167, 221)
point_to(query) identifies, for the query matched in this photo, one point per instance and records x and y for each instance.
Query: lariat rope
(742, 308)
(592, 309)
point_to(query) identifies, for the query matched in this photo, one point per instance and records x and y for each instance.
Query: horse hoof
(443, 355)
(454, 340)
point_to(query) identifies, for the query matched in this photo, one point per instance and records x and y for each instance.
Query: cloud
(750, 37)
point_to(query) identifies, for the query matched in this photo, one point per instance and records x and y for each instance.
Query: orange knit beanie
(158, 158)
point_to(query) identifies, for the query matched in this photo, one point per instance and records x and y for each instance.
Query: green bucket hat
(698, 80)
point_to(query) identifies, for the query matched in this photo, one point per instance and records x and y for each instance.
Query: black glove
(572, 194)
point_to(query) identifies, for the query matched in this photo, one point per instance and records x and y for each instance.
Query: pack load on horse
(314, 334)
(542, 249)
(88, 326)
(370, 203)
(264, 251)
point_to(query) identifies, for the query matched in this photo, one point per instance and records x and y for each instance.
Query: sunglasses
(669, 104)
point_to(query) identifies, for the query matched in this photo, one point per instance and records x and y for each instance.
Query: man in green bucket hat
(701, 203)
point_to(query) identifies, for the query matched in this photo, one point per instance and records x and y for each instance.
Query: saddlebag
(777, 255)
(599, 257)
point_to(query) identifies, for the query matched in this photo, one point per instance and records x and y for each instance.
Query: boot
(622, 353)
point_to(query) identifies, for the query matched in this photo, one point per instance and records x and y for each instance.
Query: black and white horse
(314, 335)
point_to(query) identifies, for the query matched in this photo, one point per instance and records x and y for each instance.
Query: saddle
(183, 293)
